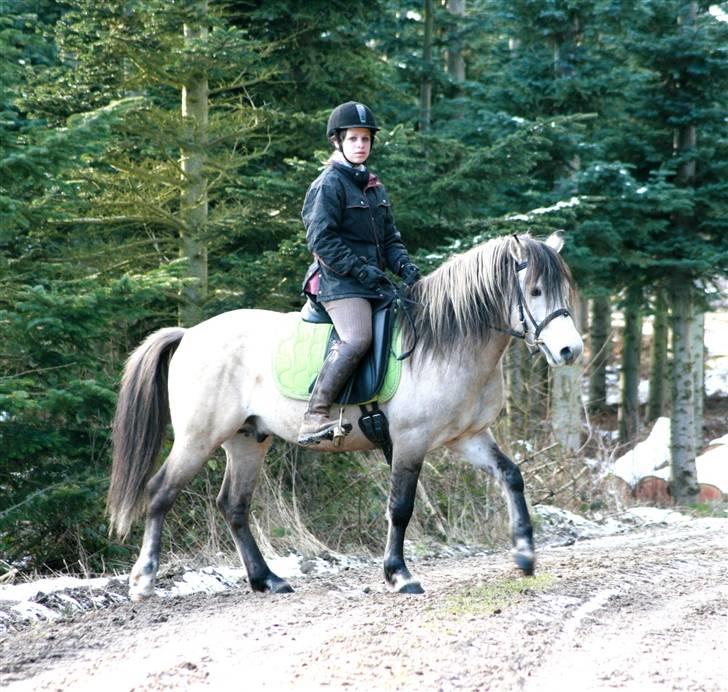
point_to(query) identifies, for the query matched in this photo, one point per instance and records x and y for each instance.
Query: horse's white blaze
(560, 342)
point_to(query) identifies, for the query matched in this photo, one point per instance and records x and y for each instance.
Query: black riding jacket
(349, 223)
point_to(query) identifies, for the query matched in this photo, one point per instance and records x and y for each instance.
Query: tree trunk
(658, 358)
(193, 204)
(515, 388)
(455, 59)
(537, 384)
(600, 333)
(629, 409)
(686, 377)
(698, 349)
(682, 420)
(426, 84)
(566, 404)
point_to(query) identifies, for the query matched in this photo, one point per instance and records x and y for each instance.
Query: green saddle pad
(300, 353)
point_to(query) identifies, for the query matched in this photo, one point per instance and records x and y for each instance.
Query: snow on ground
(652, 458)
(49, 599)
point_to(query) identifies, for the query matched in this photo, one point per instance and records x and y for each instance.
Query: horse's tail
(142, 413)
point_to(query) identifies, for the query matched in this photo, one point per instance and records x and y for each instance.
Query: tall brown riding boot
(338, 367)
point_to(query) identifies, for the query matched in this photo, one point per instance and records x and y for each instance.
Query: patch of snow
(712, 465)
(563, 204)
(652, 458)
(47, 599)
(556, 526)
(655, 515)
(205, 580)
(648, 458)
(29, 590)
(28, 611)
(561, 527)
(716, 377)
(286, 566)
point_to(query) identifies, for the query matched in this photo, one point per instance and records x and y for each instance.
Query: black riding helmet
(345, 116)
(350, 114)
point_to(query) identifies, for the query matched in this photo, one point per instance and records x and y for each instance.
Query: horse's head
(541, 314)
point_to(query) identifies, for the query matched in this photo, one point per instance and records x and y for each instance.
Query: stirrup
(335, 433)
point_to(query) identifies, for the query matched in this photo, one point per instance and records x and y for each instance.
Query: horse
(215, 382)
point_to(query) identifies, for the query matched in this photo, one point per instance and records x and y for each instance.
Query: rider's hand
(370, 277)
(409, 273)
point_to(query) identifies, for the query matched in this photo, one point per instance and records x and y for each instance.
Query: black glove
(409, 273)
(370, 276)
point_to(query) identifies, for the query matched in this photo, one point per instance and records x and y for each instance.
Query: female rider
(351, 232)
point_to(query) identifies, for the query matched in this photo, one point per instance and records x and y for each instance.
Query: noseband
(525, 316)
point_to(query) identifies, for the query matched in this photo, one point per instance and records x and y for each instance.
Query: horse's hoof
(526, 562)
(403, 582)
(412, 587)
(281, 586)
(141, 588)
(271, 584)
(137, 597)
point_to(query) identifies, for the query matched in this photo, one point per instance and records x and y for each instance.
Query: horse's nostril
(567, 354)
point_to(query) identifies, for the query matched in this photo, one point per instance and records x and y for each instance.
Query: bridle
(525, 316)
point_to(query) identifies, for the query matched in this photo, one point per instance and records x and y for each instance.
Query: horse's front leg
(402, 491)
(483, 451)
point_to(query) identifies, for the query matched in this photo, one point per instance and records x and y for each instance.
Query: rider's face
(357, 143)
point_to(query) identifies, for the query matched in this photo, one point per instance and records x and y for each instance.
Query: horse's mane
(472, 294)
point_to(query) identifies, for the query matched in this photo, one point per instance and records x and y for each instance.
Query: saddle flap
(301, 352)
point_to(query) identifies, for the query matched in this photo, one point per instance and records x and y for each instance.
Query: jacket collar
(359, 175)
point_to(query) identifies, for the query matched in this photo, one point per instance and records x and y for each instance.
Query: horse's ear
(515, 249)
(556, 241)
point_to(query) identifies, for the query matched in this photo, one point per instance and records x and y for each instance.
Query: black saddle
(366, 382)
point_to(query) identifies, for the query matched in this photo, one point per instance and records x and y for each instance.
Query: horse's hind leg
(403, 488)
(244, 458)
(483, 451)
(180, 467)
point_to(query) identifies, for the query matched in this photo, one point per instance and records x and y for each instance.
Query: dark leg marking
(401, 504)
(521, 527)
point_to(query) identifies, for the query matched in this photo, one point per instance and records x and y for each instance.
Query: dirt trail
(644, 610)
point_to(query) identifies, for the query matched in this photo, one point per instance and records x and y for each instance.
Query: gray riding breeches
(352, 318)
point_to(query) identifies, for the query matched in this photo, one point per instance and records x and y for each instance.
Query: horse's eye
(535, 292)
